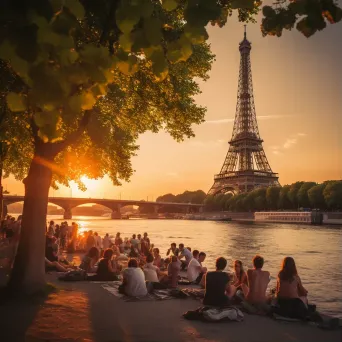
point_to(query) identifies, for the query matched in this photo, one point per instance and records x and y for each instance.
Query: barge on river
(304, 217)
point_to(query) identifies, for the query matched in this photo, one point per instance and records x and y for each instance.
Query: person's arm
(110, 266)
(168, 251)
(203, 280)
(301, 289)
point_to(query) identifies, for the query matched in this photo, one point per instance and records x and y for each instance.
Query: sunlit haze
(297, 88)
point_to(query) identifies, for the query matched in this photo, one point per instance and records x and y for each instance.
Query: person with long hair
(291, 294)
(239, 280)
(239, 275)
(90, 260)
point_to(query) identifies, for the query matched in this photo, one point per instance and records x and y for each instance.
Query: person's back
(257, 282)
(173, 270)
(215, 285)
(134, 280)
(106, 242)
(288, 288)
(150, 272)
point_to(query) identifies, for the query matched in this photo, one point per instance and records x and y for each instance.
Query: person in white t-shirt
(152, 272)
(133, 283)
(195, 270)
(184, 252)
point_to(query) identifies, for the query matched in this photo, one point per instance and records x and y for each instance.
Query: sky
(298, 97)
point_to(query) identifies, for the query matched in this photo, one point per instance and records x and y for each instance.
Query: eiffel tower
(245, 167)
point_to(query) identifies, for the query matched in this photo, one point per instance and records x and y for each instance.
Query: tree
(309, 16)
(284, 202)
(272, 197)
(94, 76)
(333, 195)
(316, 198)
(302, 194)
(166, 198)
(292, 194)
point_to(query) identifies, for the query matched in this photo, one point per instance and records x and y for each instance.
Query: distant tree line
(194, 197)
(324, 196)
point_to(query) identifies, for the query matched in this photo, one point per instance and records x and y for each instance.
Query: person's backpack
(76, 275)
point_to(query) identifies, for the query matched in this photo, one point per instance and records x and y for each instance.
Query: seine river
(316, 249)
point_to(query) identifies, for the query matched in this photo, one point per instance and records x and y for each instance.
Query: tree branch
(73, 137)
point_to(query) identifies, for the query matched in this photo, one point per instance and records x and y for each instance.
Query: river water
(316, 249)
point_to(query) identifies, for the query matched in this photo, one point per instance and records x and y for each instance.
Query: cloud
(290, 142)
(259, 117)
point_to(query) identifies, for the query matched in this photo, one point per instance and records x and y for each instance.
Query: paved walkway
(84, 311)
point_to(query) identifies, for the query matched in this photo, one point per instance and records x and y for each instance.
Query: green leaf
(126, 42)
(196, 34)
(126, 18)
(16, 102)
(245, 4)
(170, 5)
(68, 56)
(88, 101)
(146, 8)
(304, 27)
(99, 90)
(152, 29)
(75, 8)
(179, 50)
(57, 5)
(50, 118)
(129, 66)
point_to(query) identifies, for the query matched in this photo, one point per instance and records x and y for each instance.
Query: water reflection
(317, 250)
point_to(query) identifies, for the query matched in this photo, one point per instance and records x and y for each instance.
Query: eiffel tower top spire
(246, 166)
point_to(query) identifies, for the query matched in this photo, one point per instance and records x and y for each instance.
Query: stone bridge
(114, 205)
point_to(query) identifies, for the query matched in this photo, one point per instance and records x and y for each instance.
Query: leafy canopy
(100, 73)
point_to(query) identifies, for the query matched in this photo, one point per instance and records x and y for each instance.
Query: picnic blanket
(166, 294)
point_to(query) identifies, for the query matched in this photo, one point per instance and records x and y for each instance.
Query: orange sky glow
(297, 88)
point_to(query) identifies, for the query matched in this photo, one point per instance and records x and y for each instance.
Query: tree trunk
(28, 274)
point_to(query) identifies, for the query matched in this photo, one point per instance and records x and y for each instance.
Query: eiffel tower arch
(246, 166)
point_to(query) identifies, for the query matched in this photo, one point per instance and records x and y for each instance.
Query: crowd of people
(140, 266)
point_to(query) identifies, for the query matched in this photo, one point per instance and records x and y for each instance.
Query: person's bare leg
(245, 290)
(230, 291)
(59, 267)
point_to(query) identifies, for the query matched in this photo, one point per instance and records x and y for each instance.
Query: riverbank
(84, 311)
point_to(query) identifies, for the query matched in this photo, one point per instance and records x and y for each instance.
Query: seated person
(184, 253)
(152, 273)
(89, 260)
(157, 257)
(173, 250)
(56, 266)
(134, 253)
(51, 252)
(105, 270)
(216, 284)
(195, 270)
(133, 283)
(255, 293)
(291, 295)
(173, 270)
(239, 279)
